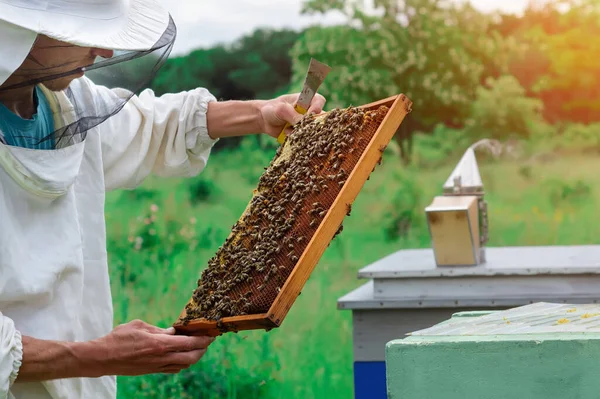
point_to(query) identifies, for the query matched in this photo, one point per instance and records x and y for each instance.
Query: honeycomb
(293, 196)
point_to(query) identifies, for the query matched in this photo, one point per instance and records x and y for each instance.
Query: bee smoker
(458, 220)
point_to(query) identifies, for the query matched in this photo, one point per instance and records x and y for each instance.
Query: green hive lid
(538, 318)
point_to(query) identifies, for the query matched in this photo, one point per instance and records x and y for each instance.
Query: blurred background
(524, 73)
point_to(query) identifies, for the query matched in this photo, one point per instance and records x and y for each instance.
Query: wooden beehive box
(297, 209)
(454, 228)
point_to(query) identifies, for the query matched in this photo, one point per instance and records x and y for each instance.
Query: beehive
(295, 212)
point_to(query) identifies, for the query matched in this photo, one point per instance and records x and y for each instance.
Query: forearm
(234, 118)
(48, 360)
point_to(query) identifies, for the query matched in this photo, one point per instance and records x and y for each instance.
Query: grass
(162, 235)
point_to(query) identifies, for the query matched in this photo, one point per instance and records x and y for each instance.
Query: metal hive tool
(296, 210)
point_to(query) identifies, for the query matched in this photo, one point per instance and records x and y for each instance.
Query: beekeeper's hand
(279, 111)
(131, 349)
(138, 348)
(238, 118)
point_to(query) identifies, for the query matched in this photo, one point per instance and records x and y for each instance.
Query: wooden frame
(399, 107)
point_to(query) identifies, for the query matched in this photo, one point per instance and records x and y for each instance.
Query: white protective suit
(54, 281)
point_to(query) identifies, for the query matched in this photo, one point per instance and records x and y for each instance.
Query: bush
(501, 110)
(201, 189)
(575, 137)
(197, 383)
(582, 137)
(434, 149)
(562, 193)
(139, 194)
(405, 208)
(254, 155)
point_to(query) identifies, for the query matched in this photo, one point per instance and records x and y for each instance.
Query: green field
(161, 236)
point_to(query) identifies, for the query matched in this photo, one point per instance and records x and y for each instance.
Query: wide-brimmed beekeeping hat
(128, 25)
(140, 32)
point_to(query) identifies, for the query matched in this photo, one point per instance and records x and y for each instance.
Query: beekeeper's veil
(140, 32)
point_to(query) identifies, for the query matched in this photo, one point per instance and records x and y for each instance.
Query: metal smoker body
(466, 180)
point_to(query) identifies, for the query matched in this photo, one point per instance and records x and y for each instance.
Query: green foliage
(562, 193)
(255, 66)
(501, 109)
(556, 64)
(196, 383)
(140, 194)
(583, 137)
(568, 137)
(201, 189)
(437, 56)
(572, 82)
(258, 152)
(525, 172)
(434, 149)
(404, 213)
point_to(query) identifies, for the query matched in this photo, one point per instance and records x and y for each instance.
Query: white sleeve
(11, 354)
(166, 136)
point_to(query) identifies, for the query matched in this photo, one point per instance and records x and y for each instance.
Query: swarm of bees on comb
(293, 196)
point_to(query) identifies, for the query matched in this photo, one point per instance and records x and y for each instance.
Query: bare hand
(138, 348)
(279, 111)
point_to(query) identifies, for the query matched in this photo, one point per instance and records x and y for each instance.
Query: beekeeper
(66, 137)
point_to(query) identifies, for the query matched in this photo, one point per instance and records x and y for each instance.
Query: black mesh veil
(128, 71)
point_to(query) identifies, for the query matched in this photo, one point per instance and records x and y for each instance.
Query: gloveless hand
(279, 111)
(138, 348)
(135, 348)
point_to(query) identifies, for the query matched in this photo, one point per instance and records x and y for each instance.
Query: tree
(256, 66)
(559, 64)
(571, 86)
(433, 51)
(502, 109)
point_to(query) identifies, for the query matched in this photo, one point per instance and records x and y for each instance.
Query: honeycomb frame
(397, 108)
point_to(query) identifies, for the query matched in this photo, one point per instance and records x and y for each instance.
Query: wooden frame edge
(279, 309)
(400, 106)
(229, 324)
